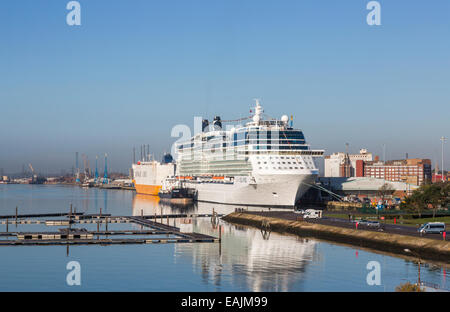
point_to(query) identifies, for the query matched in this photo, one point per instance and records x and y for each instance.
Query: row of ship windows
(255, 146)
(279, 163)
(280, 168)
(283, 157)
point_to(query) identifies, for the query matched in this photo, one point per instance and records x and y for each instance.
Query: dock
(155, 232)
(288, 222)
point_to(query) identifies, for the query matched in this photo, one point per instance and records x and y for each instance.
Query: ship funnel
(205, 124)
(217, 123)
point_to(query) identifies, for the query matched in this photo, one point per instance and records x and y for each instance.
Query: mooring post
(142, 213)
(7, 225)
(106, 224)
(167, 219)
(100, 212)
(155, 217)
(70, 217)
(16, 214)
(220, 234)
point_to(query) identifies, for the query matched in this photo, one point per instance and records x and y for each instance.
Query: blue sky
(135, 69)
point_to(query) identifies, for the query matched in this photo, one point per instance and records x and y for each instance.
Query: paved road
(386, 228)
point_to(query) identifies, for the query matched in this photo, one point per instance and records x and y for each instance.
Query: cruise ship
(148, 176)
(265, 162)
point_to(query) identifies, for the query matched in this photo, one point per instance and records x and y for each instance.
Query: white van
(312, 214)
(432, 228)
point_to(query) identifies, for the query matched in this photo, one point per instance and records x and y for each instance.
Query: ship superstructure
(148, 176)
(264, 162)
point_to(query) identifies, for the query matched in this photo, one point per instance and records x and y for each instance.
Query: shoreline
(393, 243)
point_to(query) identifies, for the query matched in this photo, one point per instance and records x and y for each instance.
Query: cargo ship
(265, 162)
(148, 176)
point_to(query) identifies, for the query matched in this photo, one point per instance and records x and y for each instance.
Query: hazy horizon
(134, 70)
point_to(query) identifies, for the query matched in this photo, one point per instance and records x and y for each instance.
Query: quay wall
(394, 243)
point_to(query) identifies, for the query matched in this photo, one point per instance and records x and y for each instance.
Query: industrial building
(410, 171)
(344, 164)
(364, 186)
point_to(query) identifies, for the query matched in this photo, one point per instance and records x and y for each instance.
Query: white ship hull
(271, 190)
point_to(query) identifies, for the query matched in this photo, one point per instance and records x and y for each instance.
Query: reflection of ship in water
(254, 262)
(149, 205)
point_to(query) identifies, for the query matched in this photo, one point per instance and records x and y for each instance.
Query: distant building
(438, 177)
(345, 165)
(411, 171)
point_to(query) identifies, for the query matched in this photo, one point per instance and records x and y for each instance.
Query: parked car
(373, 224)
(362, 222)
(432, 228)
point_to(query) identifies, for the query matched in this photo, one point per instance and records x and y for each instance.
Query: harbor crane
(86, 167)
(35, 179)
(33, 175)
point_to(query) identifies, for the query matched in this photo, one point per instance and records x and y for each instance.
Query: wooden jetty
(41, 215)
(157, 233)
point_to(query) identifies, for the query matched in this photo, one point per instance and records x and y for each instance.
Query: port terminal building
(364, 186)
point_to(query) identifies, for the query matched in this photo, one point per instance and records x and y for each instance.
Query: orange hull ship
(147, 189)
(148, 176)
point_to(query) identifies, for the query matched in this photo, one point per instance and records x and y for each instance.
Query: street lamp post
(418, 257)
(443, 139)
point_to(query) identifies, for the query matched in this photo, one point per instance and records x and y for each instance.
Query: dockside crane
(33, 175)
(35, 179)
(105, 176)
(86, 167)
(96, 170)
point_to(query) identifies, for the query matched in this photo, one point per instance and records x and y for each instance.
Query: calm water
(246, 261)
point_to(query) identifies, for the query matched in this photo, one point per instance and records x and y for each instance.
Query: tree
(385, 190)
(414, 202)
(437, 194)
(408, 287)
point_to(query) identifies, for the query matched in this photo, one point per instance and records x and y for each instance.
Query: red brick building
(412, 171)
